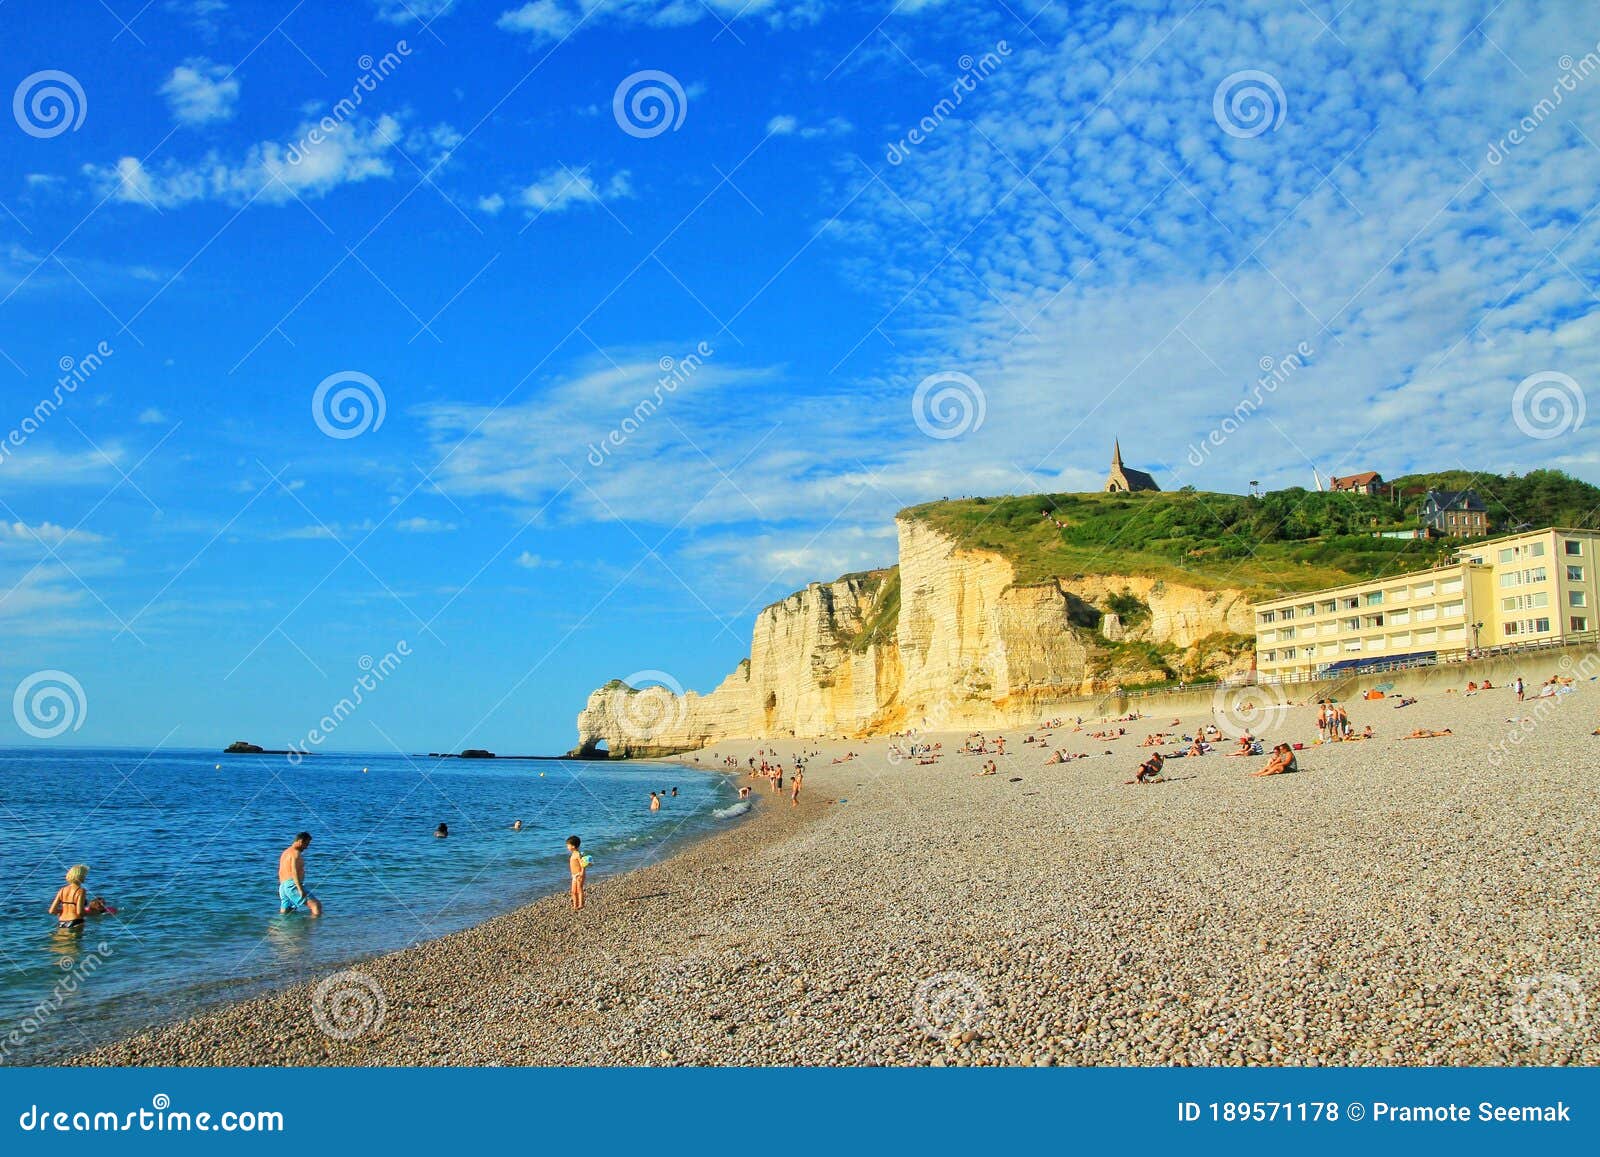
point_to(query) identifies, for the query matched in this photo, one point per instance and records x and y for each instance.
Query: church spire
(1116, 454)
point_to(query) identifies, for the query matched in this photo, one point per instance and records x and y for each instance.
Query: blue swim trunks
(291, 898)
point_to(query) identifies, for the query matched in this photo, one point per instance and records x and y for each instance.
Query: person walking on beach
(578, 864)
(71, 900)
(292, 894)
(1519, 688)
(794, 797)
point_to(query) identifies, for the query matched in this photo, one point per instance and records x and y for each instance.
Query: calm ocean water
(187, 853)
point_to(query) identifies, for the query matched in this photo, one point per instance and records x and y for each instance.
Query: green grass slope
(1284, 540)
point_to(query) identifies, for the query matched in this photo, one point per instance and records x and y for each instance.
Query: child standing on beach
(578, 864)
(71, 899)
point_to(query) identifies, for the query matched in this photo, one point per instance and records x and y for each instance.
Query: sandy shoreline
(1387, 905)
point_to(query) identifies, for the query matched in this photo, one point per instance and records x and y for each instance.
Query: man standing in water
(292, 895)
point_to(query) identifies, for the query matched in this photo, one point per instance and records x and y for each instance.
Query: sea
(184, 845)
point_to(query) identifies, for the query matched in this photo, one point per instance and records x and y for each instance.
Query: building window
(1507, 554)
(1536, 550)
(1573, 546)
(1574, 574)
(1579, 623)
(1577, 598)
(1286, 614)
(1328, 607)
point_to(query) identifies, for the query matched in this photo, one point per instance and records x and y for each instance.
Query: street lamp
(1476, 627)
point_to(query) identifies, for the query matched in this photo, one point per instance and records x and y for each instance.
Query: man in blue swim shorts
(292, 894)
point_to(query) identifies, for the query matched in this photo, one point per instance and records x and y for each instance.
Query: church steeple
(1116, 454)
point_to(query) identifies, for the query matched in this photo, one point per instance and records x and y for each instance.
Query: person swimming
(441, 832)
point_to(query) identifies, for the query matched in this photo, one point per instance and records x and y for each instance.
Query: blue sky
(1130, 210)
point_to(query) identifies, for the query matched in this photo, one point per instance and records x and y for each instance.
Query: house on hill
(1455, 513)
(1125, 479)
(1367, 482)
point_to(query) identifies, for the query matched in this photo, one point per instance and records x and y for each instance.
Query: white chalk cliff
(947, 639)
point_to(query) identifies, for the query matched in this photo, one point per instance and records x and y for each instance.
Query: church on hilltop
(1125, 479)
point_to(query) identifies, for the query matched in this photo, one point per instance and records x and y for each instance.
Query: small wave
(733, 809)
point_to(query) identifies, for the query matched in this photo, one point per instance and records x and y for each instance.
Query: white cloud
(152, 417)
(423, 526)
(541, 18)
(45, 534)
(200, 92)
(316, 160)
(530, 561)
(548, 20)
(562, 188)
(785, 124)
(492, 204)
(412, 11)
(39, 465)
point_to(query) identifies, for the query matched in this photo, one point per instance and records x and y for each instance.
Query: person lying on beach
(1150, 770)
(1405, 701)
(1426, 733)
(71, 899)
(1282, 761)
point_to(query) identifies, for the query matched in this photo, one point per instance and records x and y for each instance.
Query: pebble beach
(1394, 902)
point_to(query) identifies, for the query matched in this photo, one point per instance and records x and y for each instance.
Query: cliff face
(965, 647)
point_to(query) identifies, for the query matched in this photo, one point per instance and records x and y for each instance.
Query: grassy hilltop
(1291, 539)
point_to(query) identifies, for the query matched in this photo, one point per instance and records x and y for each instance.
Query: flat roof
(1411, 576)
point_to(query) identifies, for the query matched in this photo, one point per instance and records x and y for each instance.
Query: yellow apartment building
(1536, 587)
